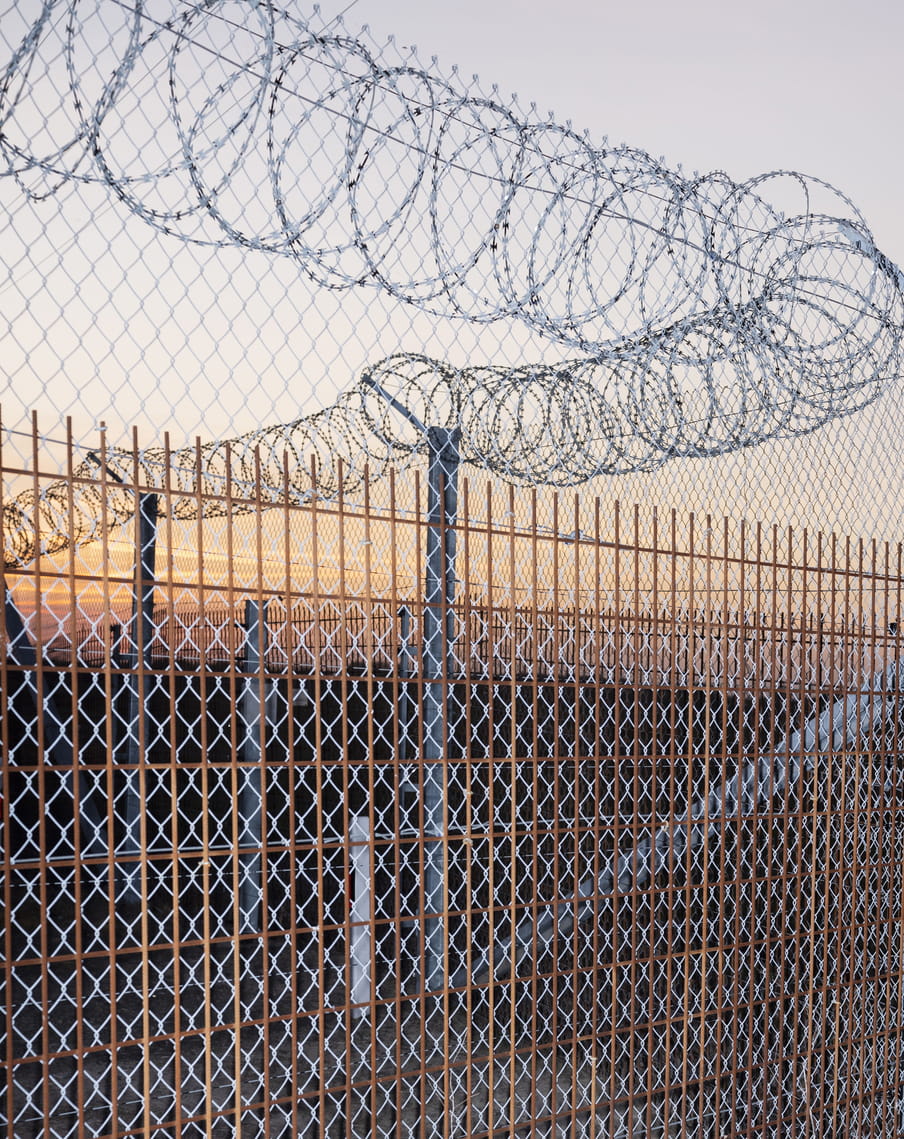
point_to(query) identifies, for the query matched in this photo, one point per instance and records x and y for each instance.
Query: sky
(108, 322)
(809, 85)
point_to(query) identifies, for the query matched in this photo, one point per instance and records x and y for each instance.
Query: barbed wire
(696, 317)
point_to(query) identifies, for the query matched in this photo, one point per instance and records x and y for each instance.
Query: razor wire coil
(679, 318)
(696, 316)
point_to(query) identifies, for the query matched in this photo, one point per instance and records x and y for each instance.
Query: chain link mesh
(357, 781)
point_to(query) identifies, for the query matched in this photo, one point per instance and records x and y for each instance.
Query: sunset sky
(107, 322)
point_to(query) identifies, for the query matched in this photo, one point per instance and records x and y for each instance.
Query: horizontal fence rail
(332, 636)
(624, 858)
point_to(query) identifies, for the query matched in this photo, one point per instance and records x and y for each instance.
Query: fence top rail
(336, 635)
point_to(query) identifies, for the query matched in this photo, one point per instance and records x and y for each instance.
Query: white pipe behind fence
(840, 725)
(361, 984)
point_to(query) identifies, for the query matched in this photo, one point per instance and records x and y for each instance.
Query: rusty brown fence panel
(671, 859)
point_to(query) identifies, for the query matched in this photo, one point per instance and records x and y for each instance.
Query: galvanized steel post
(438, 669)
(136, 685)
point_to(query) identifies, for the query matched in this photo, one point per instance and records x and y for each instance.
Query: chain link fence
(649, 884)
(359, 777)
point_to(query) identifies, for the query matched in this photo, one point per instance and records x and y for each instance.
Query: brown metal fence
(665, 828)
(542, 643)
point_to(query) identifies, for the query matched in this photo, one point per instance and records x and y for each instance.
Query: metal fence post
(406, 662)
(438, 667)
(136, 685)
(361, 987)
(250, 792)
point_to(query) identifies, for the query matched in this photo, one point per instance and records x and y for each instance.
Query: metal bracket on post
(438, 669)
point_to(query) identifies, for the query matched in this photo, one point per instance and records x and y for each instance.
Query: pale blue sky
(104, 319)
(811, 85)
